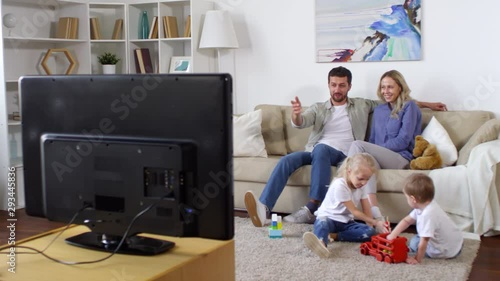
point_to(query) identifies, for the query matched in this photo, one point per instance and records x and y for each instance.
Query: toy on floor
(275, 230)
(393, 251)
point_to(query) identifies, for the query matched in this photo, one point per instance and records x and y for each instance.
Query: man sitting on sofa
(336, 124)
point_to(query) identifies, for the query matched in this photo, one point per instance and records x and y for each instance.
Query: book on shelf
(170, 27)
(67, 28)
(139, 63)
(74, 28)
(63, 26)
(143, 63)
(95, 30)
(187, 27)
(165, 33)
(117, 30)
(153, 30)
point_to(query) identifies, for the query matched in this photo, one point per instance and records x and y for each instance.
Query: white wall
(275, 61)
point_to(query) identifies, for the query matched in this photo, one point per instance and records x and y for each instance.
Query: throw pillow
(436, 134)
(247, 135)
(487, 132)
(272, 129)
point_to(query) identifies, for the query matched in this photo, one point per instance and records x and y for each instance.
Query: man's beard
(338, 97)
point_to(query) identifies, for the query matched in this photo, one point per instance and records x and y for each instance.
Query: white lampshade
(218, 31)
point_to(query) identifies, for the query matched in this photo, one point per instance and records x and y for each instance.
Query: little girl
(338, 209)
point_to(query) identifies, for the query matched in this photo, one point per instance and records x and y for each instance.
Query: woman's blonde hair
(403, 97)
(355, 161)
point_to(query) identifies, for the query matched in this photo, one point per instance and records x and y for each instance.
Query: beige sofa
(252, 173)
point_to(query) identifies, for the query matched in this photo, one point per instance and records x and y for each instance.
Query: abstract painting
(368, 30)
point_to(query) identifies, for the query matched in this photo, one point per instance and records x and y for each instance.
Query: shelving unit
(107, 14)
(25, 45)
(163, 49)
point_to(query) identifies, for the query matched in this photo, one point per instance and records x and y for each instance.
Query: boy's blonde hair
(419, 186)
(353, 162)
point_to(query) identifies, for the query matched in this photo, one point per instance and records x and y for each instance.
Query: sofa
(466, 129)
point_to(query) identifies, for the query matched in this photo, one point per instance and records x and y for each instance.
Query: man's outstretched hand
(296, 106)
(296, 112)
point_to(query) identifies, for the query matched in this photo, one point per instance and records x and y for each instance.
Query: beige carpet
(260, 258)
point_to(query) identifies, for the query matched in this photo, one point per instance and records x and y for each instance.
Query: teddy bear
(426, 155)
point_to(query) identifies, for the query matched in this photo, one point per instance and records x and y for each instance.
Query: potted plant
(108, 62)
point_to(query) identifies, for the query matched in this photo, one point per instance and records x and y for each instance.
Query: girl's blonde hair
(355, 161)
(403, 97)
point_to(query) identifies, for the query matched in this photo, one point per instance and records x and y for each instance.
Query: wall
(275, 61)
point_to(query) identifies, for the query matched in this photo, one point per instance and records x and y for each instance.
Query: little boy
(437, 235)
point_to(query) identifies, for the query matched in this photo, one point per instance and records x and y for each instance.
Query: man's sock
(312, 206)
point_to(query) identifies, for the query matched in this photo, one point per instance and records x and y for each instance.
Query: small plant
(108, 58)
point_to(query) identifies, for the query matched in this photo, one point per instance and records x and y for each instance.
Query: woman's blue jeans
(351, 231)
(322, 158)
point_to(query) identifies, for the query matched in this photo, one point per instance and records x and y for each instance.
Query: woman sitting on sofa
(394, 126)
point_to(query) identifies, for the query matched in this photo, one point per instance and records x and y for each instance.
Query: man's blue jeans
(321, 158)
(351, 231)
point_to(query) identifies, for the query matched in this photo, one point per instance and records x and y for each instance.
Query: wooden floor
(486, 266)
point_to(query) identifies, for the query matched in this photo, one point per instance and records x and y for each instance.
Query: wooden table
(190, 259)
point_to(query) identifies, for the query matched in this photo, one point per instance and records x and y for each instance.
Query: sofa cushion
(460, 125)
(272, 129)
(253, 169)
(391, 180)
(296, 139)
(247, 136)
(487, 132)
(436, 134)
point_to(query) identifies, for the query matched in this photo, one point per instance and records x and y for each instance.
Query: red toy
(393, 251)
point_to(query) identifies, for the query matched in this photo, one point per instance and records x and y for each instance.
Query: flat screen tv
(113, 145)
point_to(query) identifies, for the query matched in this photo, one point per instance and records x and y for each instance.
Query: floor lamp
(218, 33)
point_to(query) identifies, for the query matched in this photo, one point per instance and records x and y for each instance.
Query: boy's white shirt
(339, 192)
(445, 238)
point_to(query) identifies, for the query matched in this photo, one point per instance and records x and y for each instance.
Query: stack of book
(143, 62)
(170, 29)
(67, 28)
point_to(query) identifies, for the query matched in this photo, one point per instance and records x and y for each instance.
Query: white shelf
(44, 40)
(186, 39)
(14, 123)
(108, 41)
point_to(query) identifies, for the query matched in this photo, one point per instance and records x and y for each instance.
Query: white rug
(259, 257)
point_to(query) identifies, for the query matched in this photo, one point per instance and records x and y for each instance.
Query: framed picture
(180, 65)
(383, 30)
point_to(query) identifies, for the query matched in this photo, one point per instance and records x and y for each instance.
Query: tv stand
(191, 259)
(134, 245)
